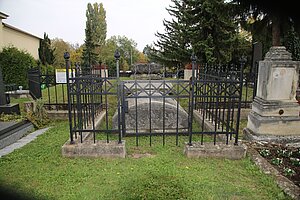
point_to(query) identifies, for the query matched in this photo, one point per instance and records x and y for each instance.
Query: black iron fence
(107, 108)
(51, 87)
(88, 94)
(219, 99)
(48, 88)
(34, 83)
(232, 71)
(53, 91)
(10, 88)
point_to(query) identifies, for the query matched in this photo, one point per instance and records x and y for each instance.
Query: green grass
(39, 171)
(56, 94)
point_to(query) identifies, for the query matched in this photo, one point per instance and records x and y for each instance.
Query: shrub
(15, 64)
(38, 116)
(10, 117)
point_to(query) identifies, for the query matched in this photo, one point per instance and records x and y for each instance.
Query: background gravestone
(5, 106)
(147, 70)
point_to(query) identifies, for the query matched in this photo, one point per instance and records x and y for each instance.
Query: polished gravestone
(12, 131)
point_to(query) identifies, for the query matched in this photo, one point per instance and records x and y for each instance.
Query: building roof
(3, 15)
(19, 30)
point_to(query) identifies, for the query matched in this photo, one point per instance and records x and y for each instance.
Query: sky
(138, 20)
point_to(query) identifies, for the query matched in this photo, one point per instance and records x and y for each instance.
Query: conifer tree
(46, 53)
(95, 33)
(173, 45)
(204, 27)
(270, 22)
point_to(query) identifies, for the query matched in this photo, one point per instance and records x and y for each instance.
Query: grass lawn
(39, 171)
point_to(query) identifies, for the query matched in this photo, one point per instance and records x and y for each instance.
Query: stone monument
(275, 110)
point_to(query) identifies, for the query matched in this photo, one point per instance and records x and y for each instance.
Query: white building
(12, 36)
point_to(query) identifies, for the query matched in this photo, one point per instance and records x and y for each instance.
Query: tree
(95, 33)
(172, 46)
(46, 53)
(148, 51)
(127, 48)
(142, 58)
(205, 27)
(292, 43)
(276, 13)
(15, 64)
(213, 32)
(107, 56)
(76, 54)
(128, 52)
(60, 47)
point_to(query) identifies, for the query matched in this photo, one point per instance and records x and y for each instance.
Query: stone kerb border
(219, 150)
(90, 149)
(284, 183)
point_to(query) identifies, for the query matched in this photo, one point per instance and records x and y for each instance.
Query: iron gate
(106, 108)
(34, 83)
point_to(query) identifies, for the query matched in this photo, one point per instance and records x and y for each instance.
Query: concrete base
(274, 125)
(52, 114)
(58, 114)
(13, 108)
(220, 150)
(275, 108)
(98, 149)
(248, 134)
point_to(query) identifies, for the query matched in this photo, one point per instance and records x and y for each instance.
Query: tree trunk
(275, 31)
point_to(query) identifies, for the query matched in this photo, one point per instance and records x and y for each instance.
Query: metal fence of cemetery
(52, 86)
(154, 107)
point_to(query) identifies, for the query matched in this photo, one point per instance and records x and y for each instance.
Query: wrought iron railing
(127, 108)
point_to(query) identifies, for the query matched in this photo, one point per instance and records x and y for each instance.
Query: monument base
(276, 108)
(13, 108)
(251, 136)
(274, 125)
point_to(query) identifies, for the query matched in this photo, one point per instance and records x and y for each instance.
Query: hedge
(15, 64)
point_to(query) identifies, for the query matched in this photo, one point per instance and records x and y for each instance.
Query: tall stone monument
(275, 111)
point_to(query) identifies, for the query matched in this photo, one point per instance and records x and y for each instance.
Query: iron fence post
(117, 57)
(242, 63)
(191, 106)
(67, 57)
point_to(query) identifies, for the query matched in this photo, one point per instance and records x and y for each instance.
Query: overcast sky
(136, 19)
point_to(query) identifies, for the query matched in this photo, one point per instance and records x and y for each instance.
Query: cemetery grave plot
(284, 158)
